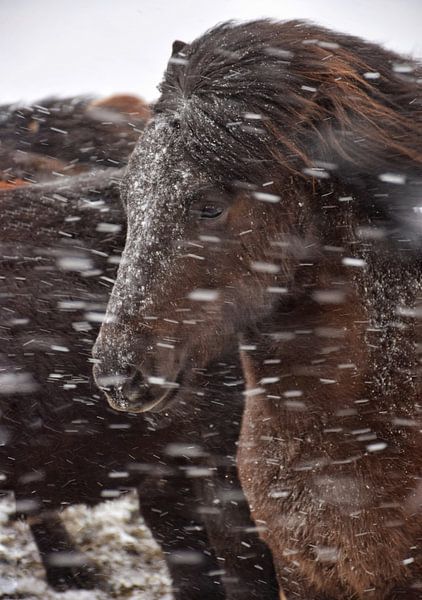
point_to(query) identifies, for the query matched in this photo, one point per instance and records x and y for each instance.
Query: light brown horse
(275, 195)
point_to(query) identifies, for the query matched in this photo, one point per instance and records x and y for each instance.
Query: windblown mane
(292, 98)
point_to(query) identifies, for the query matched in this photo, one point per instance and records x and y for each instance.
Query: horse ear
(177, 47)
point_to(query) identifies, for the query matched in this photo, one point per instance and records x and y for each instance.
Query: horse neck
(343, 358)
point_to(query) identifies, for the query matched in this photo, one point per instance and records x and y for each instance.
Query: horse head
(273, 146)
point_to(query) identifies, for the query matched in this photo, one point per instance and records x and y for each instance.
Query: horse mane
(264, 99)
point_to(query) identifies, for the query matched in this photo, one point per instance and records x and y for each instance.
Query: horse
(61, 242)
(57, 137)
(274, 195)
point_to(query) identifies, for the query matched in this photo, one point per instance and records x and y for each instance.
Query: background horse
(275, 194)
(57, 138)
(61, 243)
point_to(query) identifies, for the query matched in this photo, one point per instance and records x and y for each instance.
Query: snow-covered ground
(113, 534)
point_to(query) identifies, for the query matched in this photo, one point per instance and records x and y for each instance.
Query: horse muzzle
(131, 391)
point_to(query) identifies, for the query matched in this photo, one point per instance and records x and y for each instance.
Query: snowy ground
(112, 534)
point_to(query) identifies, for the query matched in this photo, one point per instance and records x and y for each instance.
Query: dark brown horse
(275, 194)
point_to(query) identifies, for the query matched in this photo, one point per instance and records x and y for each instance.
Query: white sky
(69, 47)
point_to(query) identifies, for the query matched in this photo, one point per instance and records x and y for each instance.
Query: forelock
(226, 89)
(253, 99)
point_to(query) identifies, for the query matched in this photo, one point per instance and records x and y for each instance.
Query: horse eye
(211, 211)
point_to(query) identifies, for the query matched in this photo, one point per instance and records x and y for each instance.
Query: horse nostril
(124, 388)
(131, 389)
(115, 380)
(133, 385)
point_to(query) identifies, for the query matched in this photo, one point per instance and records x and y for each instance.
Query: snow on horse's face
(197, 266)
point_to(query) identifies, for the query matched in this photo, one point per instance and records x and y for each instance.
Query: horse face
(202, 259)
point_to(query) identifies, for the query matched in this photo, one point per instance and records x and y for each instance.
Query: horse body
(56, 450)
(272, 195)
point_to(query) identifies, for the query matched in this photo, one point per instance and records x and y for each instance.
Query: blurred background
(61, 47)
